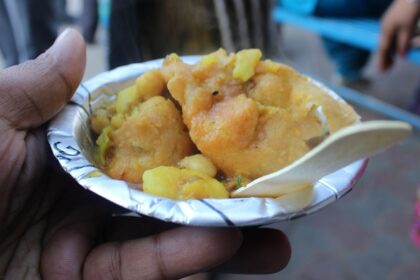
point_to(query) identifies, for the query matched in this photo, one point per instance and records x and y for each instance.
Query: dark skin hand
(398, 26)
(51, 228)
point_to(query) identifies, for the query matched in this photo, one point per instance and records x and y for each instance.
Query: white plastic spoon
(338, 150)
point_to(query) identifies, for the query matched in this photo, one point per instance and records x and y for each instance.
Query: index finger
(403, 43)
(169, 255)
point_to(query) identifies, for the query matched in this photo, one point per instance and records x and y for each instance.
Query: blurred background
(371, 233)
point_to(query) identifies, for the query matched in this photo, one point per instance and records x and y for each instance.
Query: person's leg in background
(124, 33)
(7, 43)
(18, 11)
(89, 20)
(60, 11)
(349, 61)
(43, 28)
(33, 24)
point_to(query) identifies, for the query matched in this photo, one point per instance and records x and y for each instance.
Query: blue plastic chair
(359, 32)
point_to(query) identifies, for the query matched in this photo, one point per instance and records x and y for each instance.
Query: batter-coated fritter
(141, 130)
(153, 136)
(251, 117)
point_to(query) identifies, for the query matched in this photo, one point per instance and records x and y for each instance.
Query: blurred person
(124, 34)
(398, 33)
(153, 29)
(51, 228)
(349, 61)
(60, 11)
(399, 20)
(7, 43)
(398, 29)
(142, 29)
(28, 30)
(89, 20)
(42, 29)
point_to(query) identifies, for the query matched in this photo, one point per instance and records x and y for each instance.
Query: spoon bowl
(343, 147)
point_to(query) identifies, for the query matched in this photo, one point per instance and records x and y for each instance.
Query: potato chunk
(175, 183)
(245, 64)
(200, 163)
(126, 99)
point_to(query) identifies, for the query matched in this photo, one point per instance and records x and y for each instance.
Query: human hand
(53, 229)
(398, 25)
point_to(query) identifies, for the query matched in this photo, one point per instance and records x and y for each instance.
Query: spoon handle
(338, 150)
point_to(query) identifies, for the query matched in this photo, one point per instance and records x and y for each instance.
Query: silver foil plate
(73, 144)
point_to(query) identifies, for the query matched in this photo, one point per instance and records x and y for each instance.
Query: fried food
(176, 183)
(200, 163)
(228, 119)
(152, 136)
(251, 117)
(145, 131)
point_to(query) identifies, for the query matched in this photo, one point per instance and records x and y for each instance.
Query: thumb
(33, 92)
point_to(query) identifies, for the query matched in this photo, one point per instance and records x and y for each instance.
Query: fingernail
(63, 34)
(62, 40)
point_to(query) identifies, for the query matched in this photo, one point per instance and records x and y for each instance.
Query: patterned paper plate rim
(73, 144)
